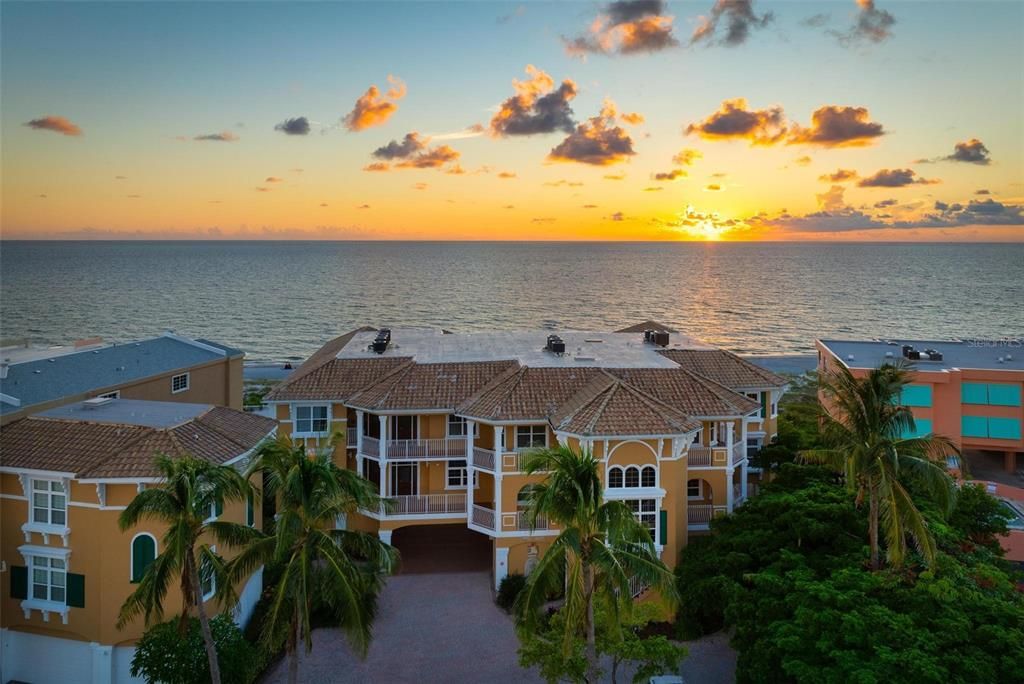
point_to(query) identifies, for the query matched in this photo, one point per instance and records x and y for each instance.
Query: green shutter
(974, 393)
(19, 582)
(76, 590)
(143, 553)
(1003, 394)
(974, 426)
(1004, 428)
(663, 525)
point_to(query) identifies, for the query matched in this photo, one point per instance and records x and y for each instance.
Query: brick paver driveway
(444, 627)
(441, 627)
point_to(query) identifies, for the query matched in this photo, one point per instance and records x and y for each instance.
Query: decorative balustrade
(483, 517)
(483, 458)
(523, 523)
(699, 456)
(371, 446)
(425, 504)
(709, 456)
(351, 438)
(701, 514)
(413, 449)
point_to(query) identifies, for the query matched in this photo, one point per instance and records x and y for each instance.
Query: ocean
(282, 300)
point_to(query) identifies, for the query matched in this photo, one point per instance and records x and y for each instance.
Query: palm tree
(191, 491)
(864, 432)
(601, 547)
(340, 570)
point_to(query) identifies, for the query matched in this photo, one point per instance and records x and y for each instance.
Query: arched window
(648, 477)
(615, 478)
(143, 553)
(632, 476)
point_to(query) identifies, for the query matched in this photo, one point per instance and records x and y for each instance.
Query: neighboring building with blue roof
(165, 368)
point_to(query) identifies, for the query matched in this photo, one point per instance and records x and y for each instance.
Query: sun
(703, 225)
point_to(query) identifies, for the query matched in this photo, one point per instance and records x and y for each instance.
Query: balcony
(417, 449)
(714, 456)
(451, 505)
(698, 516)
(509, 461)
(350, 439)
(482, 458)
(514, 524)
(483, 517)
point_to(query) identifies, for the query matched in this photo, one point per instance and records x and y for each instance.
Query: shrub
(508, 591)
(164, 655)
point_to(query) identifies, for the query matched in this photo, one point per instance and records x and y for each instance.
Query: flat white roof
(582, 348)
(154, 414)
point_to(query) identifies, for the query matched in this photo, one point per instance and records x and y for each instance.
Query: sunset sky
(640, 120)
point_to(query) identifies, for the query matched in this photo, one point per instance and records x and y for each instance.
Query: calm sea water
(281, 300)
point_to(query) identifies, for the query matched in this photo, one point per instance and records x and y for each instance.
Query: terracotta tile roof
(115, 450)
(621, 409)
(647, 325)
(527, 393)
(338, 379)
(429, 385)
(319, 359)
(686, 392)
(724, 367)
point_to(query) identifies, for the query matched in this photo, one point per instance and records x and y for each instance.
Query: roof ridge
(717, 388)
(656, 404)
(400, 369)
(220, 432)
(583, 402)
(609, 393)
(495, 384)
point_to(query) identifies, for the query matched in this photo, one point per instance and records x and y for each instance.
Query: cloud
(625, 27)
(377, 166)
(599, 141)
(837, 126)
(734, 121)
(871, 24)
(507, 174)
(982, 192)
(273, 179)
(713, 187)
(519, 11)
(420, 186)
(739, 18)
(886, 203)
(839, 176)
(120, 177)
(323, 204)
(669, 175)
(412, 142)
(474, 131)
(363, 206)
(413, 152)
(618, 216)
(297, 126)
(654, 188)
(590, 206)
(895, 178)
(537, 107)
(223, 136)
(686, 157)
(802, 161)
(262, 189)
(375, 108)
(973, 152)
(509, 206)
(432, 158)
(57, 124)
(816, 20)
(543, 219)
(614, 176)
(561, 183)
(832, 199)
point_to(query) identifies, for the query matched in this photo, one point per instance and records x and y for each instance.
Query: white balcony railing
(699, 456)
(483, 458)
(701, 514)
(426, 505)
(351, 439)
(708, 456)
(523, 522)
(371, 446)
(416, 449)
(483, 517)
(738, 452)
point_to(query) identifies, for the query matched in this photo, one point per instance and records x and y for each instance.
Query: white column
(385, 535)
(743, 481)
(359, 441)
(728, 489)
(743, 436)
(383, 478)
(500, 566)
(470, 470)
(499, 440)
(499, 447)
(383, 438)
(102, 663)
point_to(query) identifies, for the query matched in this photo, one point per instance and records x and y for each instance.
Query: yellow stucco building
(66, 568)
(441, 422)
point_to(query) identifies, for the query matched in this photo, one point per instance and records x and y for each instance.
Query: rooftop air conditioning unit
(96, 402)
(381, 342)
(555, 345)
(658, 337)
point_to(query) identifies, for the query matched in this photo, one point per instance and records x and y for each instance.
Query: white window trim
(29, 604)
(640, 477)
(515, 436)
(700, 491)
(448, 425)
(295, 420)
(131, 552)
(116, 394)
(456, 488)
(188, 383)
(213, 579)
(45, 529)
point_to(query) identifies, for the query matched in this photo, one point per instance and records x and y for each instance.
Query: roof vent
(555, 345)
(96, 402)
(915, 355)
(381, 342)
(658, 337)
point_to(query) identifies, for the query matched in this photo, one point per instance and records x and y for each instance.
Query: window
(615, 478)
(457, 427)
(530, 436)
(646, 511)
(697, 437)
(179, 383)
(993, 394)
(632, 476)
(756, 396)
(49, 578)
(207, 581)
(143, 554)
(916, 395)
(310, 420)
(648, 477)
(922, 427)
(49, 503)
(216, 509)
(714, 434)
(695, 489)
(991, 427)
(457, 475)
(116, 394)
